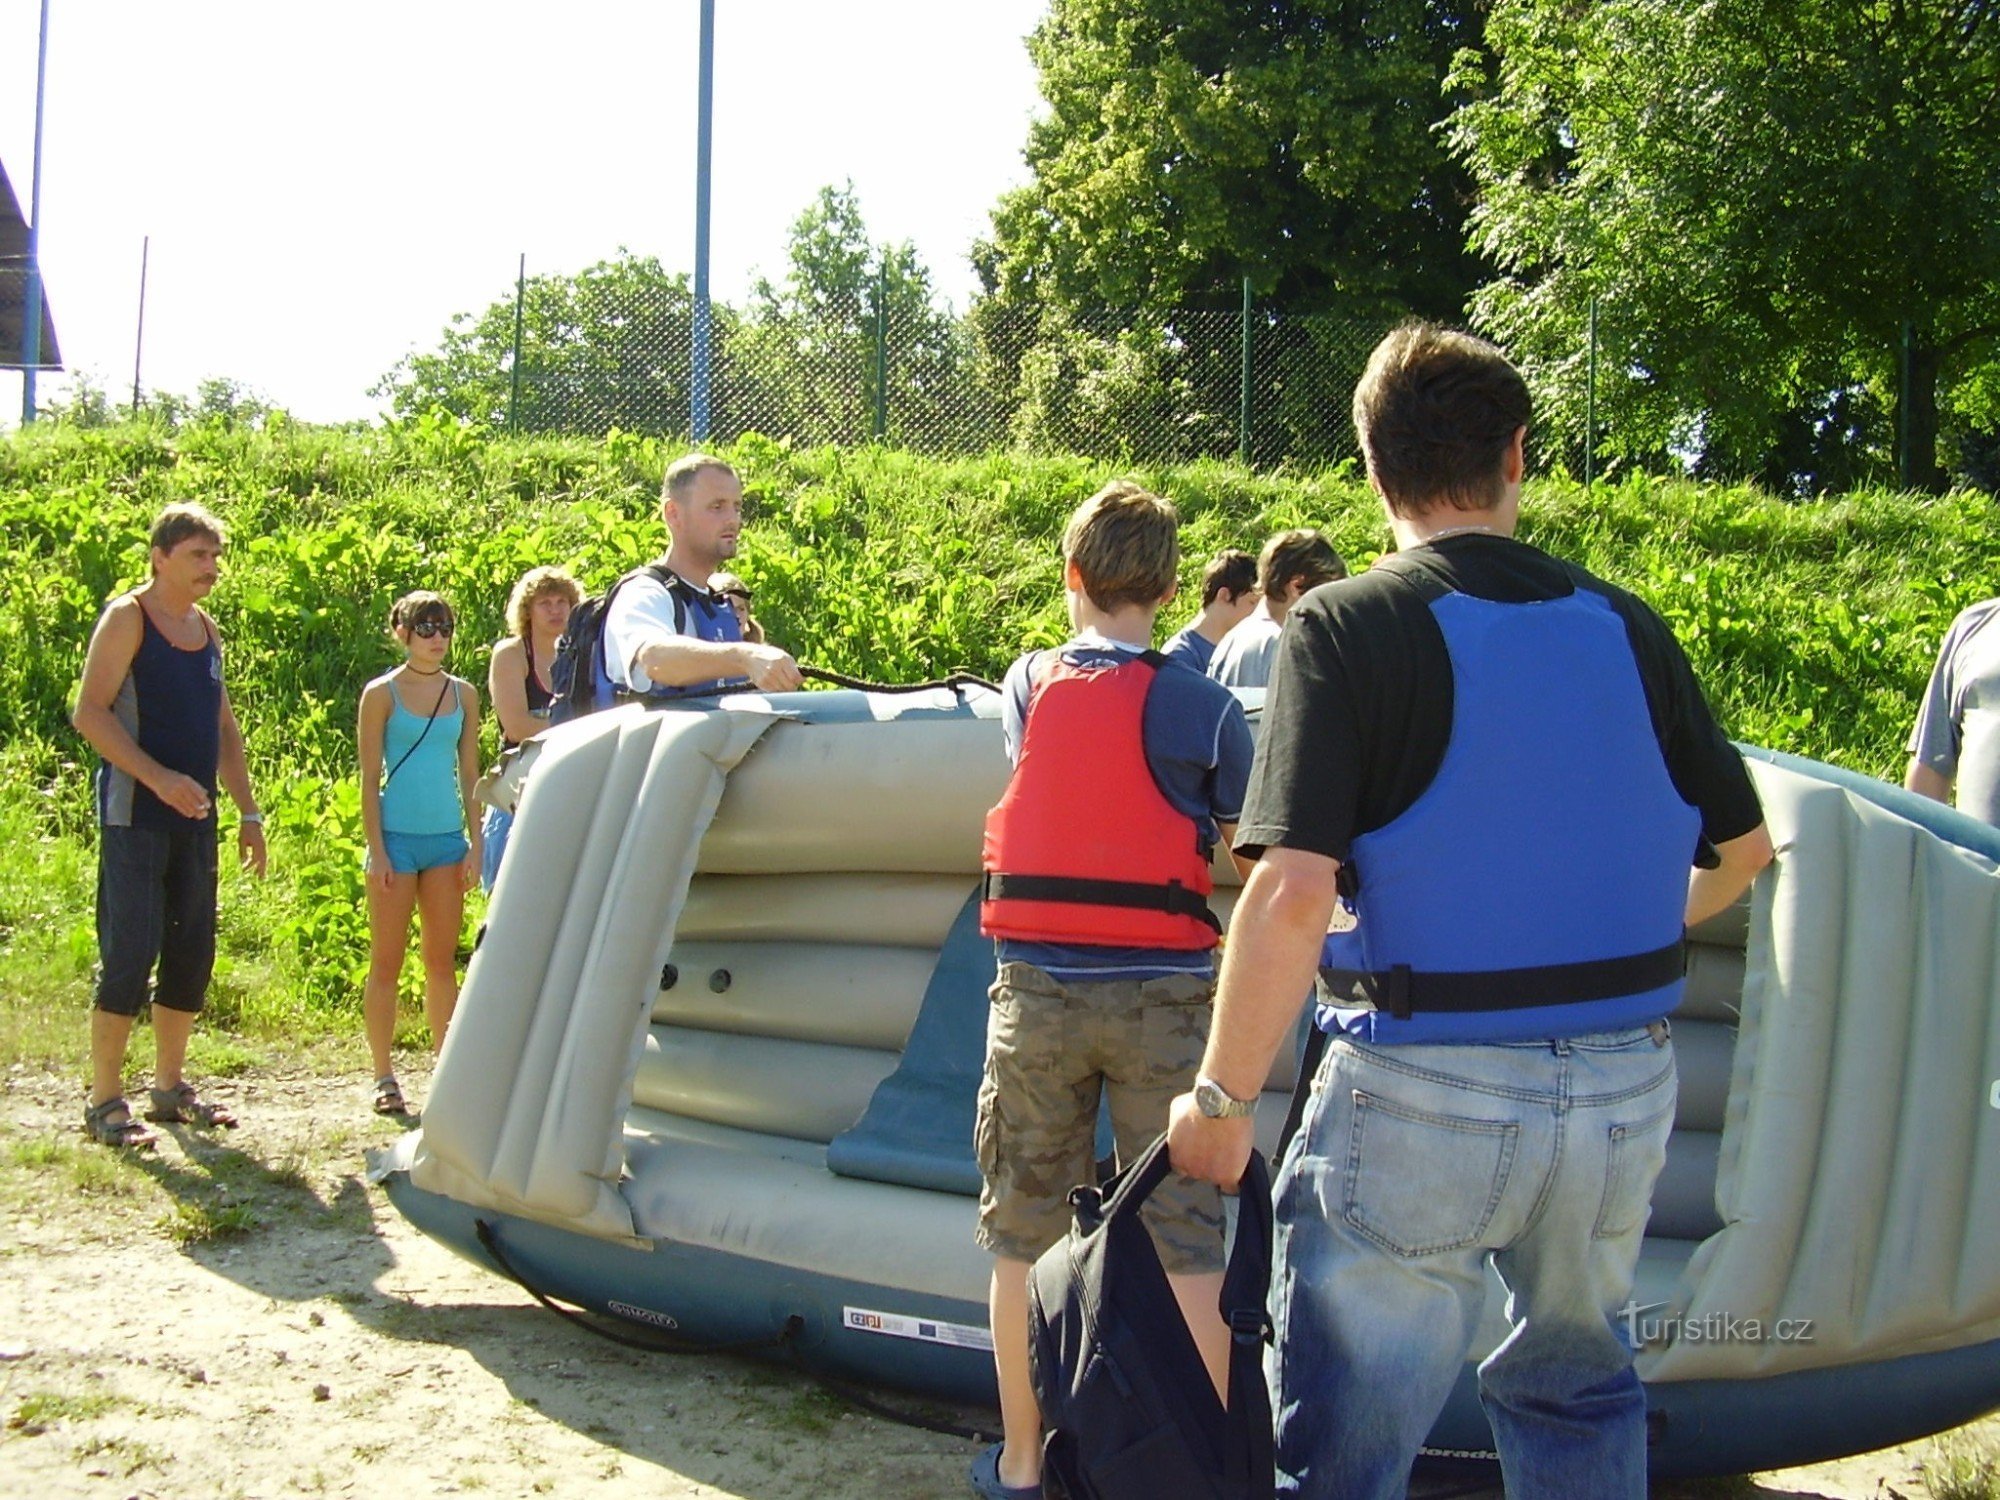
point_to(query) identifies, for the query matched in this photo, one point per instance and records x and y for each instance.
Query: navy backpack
(1127, 1405)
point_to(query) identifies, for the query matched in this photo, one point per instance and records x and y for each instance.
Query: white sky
(326, 184)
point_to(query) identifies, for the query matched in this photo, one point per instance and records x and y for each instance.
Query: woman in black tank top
(517, 680)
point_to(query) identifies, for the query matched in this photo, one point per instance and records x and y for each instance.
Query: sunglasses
(429, 628)
(743, 594)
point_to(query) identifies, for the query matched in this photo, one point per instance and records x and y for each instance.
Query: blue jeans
(492, 844)
(1413, 1167)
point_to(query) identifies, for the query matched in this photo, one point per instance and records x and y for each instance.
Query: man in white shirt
(675, 636)
(1291, 564)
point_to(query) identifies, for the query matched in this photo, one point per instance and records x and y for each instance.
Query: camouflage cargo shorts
(1051, 1045)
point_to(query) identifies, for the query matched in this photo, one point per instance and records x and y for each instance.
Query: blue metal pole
(705, 106)
(31, 312)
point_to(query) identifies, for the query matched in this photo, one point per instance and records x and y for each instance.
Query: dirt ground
(242, 1316)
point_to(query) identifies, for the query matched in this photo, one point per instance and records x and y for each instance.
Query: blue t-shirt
(1190, 649)
(1198, 747)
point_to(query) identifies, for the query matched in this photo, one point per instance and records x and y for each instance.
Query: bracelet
(255, 817)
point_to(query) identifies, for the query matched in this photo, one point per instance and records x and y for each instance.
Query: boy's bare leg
(1200, 1298)
(1020, 1413)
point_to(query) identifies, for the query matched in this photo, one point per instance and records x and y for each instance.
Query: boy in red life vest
(1127, 770)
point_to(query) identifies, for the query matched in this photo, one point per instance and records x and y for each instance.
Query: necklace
(1460, 531)
(415, 672)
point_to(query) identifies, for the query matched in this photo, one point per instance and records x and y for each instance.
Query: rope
(785, 1340)
(958, 682)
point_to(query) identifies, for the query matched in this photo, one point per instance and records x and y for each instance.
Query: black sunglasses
(429, 628)
(743, 594)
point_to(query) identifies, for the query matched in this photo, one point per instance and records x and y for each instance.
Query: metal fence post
(882, 351)
(1243, 403)
(1904, 380)
(514, 389)
(1590, 404)
(31, 311)
(139, 342)
(699, 394)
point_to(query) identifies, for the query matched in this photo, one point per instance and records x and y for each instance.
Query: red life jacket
(1084, 847)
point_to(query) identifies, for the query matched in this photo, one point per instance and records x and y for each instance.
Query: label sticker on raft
(642, 1314)
(926, 1330)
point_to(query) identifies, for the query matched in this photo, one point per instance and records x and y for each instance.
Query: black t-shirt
(1359, 713)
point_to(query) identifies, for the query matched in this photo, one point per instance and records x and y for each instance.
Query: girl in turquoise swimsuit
(419, 751)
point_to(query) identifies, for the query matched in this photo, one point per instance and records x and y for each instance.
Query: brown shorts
(1051, 1046)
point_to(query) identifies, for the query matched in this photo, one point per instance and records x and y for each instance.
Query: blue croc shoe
(986, 1483)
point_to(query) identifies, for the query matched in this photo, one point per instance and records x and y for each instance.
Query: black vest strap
(1401, 992)
(1172, 897)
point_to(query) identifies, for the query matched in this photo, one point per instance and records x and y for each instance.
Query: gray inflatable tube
(714, 1064)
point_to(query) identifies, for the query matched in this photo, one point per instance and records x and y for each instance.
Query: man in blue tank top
(663, 638)
(1484, 781)
(152, 704)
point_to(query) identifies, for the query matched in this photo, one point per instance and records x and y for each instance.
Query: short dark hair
(1303, 553)
(1125, 541)
(417, 606)
(178, 522)
(682, 473)
(1435, 411)
(1233, 571)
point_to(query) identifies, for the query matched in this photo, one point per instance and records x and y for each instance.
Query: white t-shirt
(1243, 657)
(1957, 733)
(641, 612)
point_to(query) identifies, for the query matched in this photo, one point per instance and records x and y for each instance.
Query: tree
(1190, 144)
(1787, 211)
(606, 347)
(853, 329)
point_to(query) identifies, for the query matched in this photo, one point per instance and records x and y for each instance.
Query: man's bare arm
(1709, 891)
(676, 661)
(1925, 782)
(1268, 968)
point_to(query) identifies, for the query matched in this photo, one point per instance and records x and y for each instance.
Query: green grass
(196, 1222)
(38, 1411)
(1962, 1466)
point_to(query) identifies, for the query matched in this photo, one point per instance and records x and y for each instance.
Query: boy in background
(1097, 868)
(1228, 594)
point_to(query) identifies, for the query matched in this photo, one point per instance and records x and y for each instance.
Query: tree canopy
(1778, 205)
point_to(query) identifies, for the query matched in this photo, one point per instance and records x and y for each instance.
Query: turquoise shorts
(413, 853)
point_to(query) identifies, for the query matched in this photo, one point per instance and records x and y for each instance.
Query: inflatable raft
(714, 1065)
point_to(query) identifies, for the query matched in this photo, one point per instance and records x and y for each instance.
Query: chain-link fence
(1259, 386)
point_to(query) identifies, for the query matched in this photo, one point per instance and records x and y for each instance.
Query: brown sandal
(180, 1105)
(389, 1097)
(126, 1134)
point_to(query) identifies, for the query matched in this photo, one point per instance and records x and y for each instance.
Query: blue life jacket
(1537, 886)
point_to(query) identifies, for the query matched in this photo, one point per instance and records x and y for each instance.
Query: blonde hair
(1125, 542)
(534, 584)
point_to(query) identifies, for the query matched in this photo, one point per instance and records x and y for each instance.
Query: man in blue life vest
(678, 637)
(152, 704)
(1127, 772)
(1492, 772)
(1228, 594)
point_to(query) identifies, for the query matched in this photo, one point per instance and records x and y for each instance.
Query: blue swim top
(420, 762)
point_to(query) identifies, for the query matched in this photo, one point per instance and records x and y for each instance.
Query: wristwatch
(1217, 1103)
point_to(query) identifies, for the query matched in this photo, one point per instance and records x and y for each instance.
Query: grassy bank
(1813, 626)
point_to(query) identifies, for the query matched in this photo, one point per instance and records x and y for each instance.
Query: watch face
(1210, 1099)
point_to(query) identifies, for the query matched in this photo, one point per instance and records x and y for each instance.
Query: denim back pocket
(1420, 1183)
(1633, 1160)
